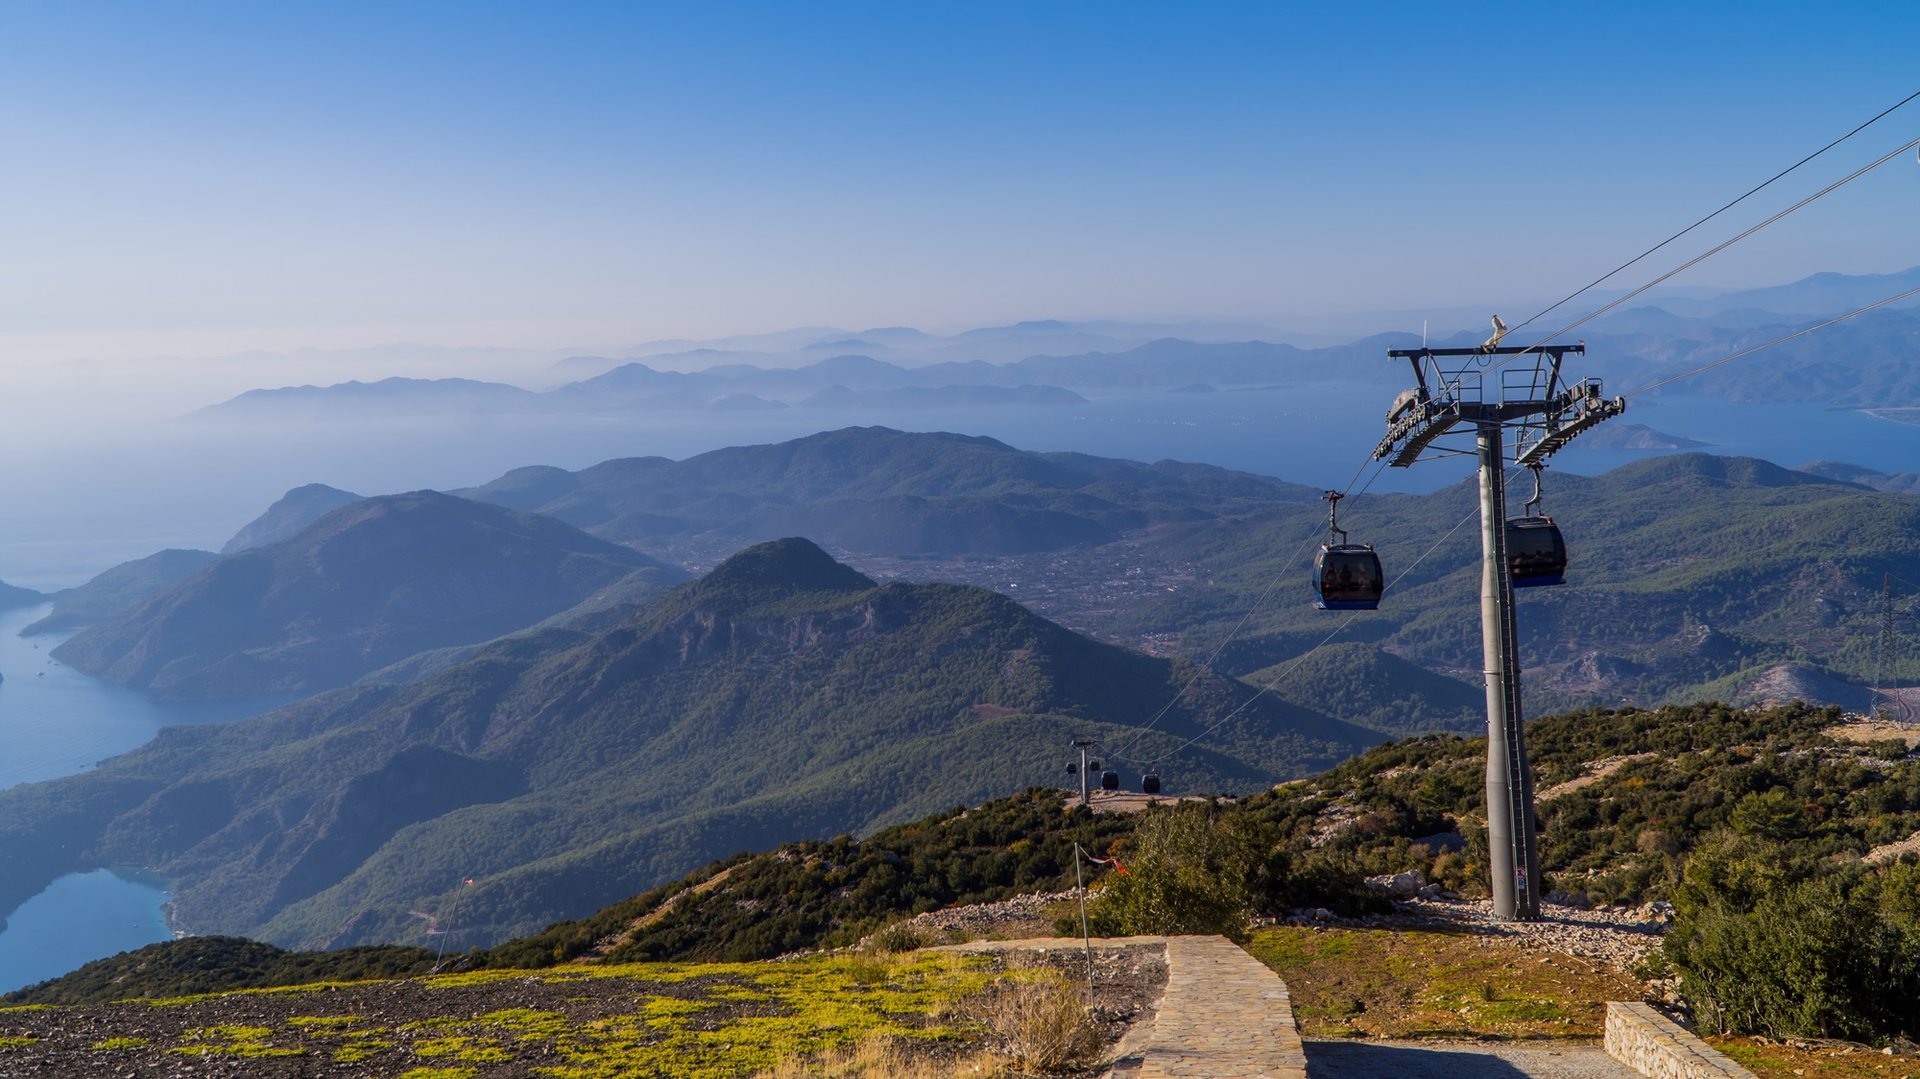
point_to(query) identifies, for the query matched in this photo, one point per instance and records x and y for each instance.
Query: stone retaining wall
(1655, 1046)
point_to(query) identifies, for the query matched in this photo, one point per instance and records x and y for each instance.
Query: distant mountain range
(846, 381)
(1072, 533)
(783, 695)
(1855, 364)
(859, 490)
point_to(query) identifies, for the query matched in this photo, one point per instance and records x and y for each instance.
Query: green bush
(1188, 869)
(1768, 943)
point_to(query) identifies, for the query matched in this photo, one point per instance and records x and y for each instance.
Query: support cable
(1710, 252)
(1570, 297)
(1308, 654)
(1207, 666)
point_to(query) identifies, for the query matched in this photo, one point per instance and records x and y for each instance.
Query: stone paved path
(1226, 1015)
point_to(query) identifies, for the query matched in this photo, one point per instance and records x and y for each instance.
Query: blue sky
(202, 177)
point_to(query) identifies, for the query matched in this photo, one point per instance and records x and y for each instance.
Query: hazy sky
(203, 177)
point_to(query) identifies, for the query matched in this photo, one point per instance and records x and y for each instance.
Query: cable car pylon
(1455, 393)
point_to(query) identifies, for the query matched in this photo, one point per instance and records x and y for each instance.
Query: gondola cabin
(1150, 783)
(1536, 554)
(1347, 577)
(1109, 781)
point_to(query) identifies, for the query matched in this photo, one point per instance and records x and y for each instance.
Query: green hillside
(875, 490)
(1687, 573)
(1756, 823)
(368, 584)
(782, 696)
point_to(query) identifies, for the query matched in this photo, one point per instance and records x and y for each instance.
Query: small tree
(1187, 871)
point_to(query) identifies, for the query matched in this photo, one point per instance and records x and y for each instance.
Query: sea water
(79, 918)
(55, 721)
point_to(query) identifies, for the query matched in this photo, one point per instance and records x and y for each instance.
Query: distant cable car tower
(1455, 392)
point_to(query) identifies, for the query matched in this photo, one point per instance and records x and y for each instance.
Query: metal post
(1510, 822)
(1082, 745)
(1086, 939)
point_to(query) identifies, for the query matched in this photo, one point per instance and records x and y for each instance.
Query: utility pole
(1456, 391)
(1887, 698)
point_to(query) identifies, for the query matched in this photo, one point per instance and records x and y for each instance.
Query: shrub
(1187, 873)
(902, 936)
(1763, 946)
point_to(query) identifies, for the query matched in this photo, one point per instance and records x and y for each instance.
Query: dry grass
(887, 1058)
(1876, 730)
(1044, 1023)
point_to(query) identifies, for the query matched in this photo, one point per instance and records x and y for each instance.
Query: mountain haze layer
(119, 588)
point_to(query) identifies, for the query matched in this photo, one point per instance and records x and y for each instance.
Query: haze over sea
(82, 509)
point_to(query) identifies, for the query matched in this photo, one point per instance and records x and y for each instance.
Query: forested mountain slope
(878, 491)
(782, 696)
(366, 585)
(1689, 575)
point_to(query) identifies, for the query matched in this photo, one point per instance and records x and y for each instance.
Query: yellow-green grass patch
(1381, 983)
(233, 1040)
(1773, 1060)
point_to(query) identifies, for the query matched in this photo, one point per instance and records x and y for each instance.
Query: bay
(55, 721)
(79, 918)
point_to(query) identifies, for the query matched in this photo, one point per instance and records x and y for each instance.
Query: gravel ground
(1617, 936)
(1016, 918)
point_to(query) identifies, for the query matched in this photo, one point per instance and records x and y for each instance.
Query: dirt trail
(605, 945)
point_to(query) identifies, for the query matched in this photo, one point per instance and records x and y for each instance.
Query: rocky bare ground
(1619, 937)
(1014, 918)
